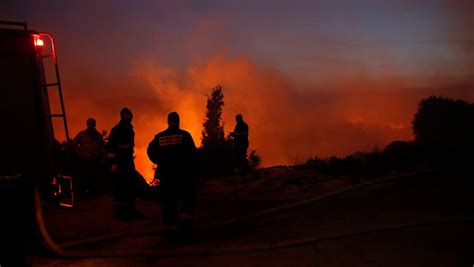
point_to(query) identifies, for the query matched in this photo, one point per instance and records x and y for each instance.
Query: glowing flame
(397, 126)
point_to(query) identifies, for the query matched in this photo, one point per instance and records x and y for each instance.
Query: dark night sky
(307, 40)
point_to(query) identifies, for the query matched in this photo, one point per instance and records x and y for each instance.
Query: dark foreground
(423, 220)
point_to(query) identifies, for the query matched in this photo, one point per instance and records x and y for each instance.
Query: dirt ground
(423, 220)
(217, 200)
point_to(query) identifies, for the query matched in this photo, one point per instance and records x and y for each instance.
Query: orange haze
(287, 125)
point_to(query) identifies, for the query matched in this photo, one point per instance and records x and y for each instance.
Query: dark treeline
(444, 139)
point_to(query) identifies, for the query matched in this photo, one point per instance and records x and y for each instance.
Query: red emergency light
(48, 45)
(39, 43)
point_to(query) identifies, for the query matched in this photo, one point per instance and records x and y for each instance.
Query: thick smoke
(286, 125)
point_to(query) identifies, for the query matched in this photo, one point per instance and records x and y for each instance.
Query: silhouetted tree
(254, 160)
(216, 151)
(213, 132)
(444, 129)
(442, 120)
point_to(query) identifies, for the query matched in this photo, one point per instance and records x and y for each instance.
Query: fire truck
(29, 78)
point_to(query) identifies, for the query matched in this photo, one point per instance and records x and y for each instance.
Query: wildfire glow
(283, 123)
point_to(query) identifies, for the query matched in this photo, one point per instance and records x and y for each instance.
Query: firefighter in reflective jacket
(120, 145)
(175, 154)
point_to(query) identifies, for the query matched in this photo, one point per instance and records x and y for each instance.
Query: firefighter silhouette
(121, 144)
(240, 137)
(175, 154)
(89, 147)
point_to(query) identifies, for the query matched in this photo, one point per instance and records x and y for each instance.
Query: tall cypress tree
(216, 152)
(213, 132)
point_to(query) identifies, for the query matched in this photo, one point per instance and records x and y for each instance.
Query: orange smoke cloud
(285, 122)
